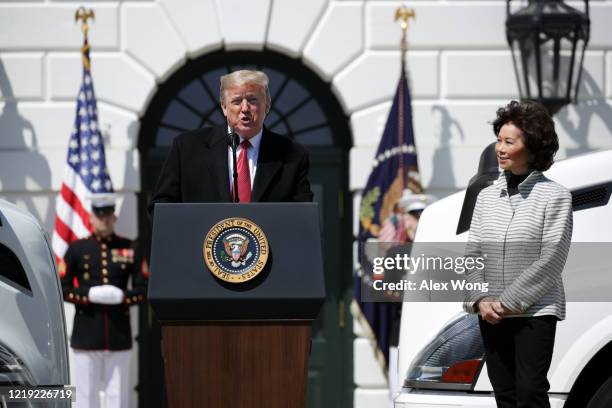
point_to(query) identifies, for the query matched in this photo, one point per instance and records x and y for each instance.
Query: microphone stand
(233, 140)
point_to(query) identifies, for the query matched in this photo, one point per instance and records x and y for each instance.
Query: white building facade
(458, 61)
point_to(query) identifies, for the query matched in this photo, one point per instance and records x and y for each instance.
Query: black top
(513, 181)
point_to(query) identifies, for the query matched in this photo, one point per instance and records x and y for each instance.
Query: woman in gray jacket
(522, 227)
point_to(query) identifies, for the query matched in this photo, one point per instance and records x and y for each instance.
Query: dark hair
(538, 130)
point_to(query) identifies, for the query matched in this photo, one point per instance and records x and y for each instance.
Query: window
(11, 270)
(303, 108)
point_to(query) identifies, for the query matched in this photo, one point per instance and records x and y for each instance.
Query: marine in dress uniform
(94, 273)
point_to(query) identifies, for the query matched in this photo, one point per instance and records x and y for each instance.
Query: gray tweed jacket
(524, 239)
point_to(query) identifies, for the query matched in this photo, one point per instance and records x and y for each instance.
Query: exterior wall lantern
(548, 39)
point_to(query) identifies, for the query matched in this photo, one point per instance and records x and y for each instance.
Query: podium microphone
(233, 140)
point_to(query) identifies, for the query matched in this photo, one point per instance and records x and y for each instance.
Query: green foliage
(366, 212)
(225, 257)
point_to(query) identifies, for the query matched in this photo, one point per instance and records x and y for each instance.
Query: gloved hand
(106, 295)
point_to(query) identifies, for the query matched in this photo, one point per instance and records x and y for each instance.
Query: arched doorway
(303, 108)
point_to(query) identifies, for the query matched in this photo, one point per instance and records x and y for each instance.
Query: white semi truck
(441, 357)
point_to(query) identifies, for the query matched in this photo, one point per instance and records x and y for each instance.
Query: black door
(331, 361)
(305, 109)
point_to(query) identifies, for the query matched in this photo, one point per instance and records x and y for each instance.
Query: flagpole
(403, 14)
(84, 15)
(86, 172)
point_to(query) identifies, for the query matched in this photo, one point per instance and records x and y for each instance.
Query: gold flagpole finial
(84, 15)
(404, 14)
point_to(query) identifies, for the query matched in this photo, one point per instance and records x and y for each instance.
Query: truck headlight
(452, 360)
(12, 370)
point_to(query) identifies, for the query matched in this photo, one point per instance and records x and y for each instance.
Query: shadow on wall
(18, 136)
(131, 166)
(128, 219)
(442, 162)
(576, 120)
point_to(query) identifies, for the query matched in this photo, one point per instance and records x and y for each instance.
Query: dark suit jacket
(196, 170)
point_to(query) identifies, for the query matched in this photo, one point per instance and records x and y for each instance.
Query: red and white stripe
(387, 232)
(72, 211)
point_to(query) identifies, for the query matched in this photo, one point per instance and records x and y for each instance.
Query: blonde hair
(242, 77)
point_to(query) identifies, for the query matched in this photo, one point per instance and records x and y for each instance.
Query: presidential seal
(235, 250)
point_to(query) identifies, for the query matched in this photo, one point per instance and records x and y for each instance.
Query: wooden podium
(236, 344)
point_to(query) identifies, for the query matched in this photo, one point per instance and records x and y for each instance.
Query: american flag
(86, 171)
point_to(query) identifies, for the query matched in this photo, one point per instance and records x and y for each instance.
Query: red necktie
(244, 174)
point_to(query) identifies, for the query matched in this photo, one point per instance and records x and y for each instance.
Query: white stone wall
(459, 66)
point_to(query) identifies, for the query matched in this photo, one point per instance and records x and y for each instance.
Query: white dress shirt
(252, 155)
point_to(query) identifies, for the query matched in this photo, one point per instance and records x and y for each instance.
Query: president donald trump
(270, 167)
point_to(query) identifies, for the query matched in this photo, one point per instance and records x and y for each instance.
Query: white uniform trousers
(109, 369)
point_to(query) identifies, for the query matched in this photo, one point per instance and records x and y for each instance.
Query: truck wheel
(603, 396)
